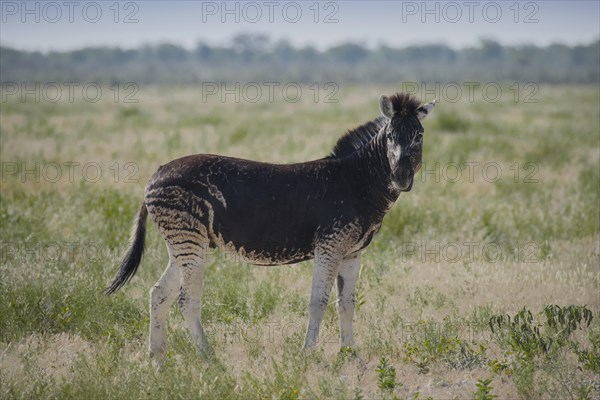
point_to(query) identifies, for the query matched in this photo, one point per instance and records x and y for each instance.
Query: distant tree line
(258, 58)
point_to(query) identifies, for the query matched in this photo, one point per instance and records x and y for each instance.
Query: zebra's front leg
(346, 285)
(326, 268)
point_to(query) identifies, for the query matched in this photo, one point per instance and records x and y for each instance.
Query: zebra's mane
(357, 138)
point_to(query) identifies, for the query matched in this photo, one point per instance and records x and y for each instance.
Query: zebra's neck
(374, 173)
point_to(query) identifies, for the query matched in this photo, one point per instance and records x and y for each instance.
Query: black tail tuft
(133, 257)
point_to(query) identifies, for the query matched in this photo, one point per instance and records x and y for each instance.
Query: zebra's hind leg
(162, 295)
(192, 279)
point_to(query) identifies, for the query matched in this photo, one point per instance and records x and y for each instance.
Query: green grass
(423, 311)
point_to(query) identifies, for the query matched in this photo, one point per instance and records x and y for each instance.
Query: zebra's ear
(385, 105)
(425, 109)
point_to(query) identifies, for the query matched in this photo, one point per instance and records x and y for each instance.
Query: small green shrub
(524, 335)
(386, 376)
(528, 338)
(484, 390)
(541, 344)
(433, 342)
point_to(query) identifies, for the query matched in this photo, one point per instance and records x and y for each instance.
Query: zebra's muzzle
(403, 178)
(408, 188)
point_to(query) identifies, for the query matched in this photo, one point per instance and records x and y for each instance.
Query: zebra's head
(404, 136)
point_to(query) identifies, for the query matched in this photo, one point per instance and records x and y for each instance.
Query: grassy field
(484, 280)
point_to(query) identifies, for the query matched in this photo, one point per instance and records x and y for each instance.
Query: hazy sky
(65, 24)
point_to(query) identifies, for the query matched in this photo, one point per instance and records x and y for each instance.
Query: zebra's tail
(133, 257)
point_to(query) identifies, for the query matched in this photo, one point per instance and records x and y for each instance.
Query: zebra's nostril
(408, 187)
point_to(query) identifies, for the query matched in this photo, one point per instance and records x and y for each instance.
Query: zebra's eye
(419, 138)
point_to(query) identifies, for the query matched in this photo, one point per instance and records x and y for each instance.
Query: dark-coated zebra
(272, 214)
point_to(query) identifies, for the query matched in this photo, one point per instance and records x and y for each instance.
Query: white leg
(192, 278)
(346, 284)
(326, 267)
(162, 296)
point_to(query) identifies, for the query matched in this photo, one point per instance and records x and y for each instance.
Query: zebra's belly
(267, 255)
(269, 238)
